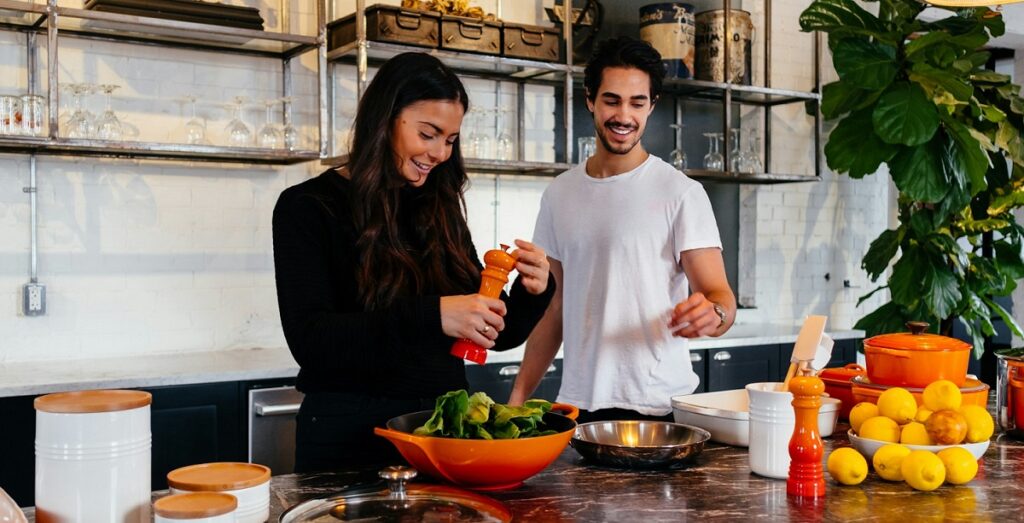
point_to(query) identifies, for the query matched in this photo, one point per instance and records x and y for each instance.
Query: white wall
(153, 257)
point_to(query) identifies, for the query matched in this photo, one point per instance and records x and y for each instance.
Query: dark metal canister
(669, 28)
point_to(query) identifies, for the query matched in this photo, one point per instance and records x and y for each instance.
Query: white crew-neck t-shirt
(618, 240)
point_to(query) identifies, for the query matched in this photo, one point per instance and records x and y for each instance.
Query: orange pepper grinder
(806, 477)
(493, 278)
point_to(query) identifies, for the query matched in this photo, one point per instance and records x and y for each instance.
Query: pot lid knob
(917, 327)
(396, 478)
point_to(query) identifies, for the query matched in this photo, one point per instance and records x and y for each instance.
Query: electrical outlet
(34, 299)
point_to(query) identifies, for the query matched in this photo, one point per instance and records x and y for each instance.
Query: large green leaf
(1008, 139)
(1008, 257)
(919, 174)
(904, 115)
(942, 289)
(842, 17)
(840, 97)
(1005, 316)
(883, 320)
(914, 48)
(951, 250)
(971, 227)
(985, 274)
(881, 251)
(854, 148)
(990, 77)
(899, 13)
(867, 65)
(906, 281)
(972, 160)
(931, 77)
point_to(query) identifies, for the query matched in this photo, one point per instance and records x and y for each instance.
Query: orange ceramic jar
(915, 359)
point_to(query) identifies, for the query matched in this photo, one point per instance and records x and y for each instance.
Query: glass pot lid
(400, 502)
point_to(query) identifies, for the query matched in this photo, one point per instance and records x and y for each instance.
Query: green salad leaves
(459, 415)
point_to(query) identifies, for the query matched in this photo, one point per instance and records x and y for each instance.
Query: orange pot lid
(195, 505)
(217, 477)
(916, 339)
(842, 374)
(89, 401)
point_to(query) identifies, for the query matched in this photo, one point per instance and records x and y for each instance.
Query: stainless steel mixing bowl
(639, 444)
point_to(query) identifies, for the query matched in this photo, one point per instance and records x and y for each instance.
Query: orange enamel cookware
(973, 391)
(837, 385)
(915, 359)
(477, 463)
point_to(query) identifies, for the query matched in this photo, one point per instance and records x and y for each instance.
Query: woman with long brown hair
(377, 274)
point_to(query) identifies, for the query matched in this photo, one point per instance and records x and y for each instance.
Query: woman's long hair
(411, 240)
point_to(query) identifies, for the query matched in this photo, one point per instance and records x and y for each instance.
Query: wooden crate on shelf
(387, 23)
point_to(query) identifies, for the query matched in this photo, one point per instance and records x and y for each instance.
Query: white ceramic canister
(197, 507)
(249, 482)
(93, 456)
(772, 421)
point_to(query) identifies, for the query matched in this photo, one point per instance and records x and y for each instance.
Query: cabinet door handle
(513, 370)
(722, 356)
(283, 409)
(508, 370)
(695, 358)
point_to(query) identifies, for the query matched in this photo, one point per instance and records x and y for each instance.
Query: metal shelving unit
(52, 22)
(362, 53)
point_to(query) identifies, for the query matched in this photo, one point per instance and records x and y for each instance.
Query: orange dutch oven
(478, 463)
(915, 359)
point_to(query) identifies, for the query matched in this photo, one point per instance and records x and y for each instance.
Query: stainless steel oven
(272, 414)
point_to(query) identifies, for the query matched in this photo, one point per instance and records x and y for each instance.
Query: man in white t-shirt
(627, 236)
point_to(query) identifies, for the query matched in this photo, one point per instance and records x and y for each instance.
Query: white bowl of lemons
(868, 447)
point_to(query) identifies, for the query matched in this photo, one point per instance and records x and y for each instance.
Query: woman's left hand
(532, 264)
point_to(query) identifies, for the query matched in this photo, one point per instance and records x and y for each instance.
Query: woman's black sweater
(398, 352)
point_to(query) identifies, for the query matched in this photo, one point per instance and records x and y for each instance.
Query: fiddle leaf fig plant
(915, 96)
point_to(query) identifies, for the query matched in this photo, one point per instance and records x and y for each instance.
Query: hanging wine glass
(239, 134)
(713, 161)
(269, 136)
(678, 155)
(108, 127)
(81, 124)
(506, 146)
(754, 164)
(195, 129)
(289, 133)
(735, 157)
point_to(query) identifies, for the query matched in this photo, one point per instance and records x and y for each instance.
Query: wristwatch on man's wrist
(720, 311)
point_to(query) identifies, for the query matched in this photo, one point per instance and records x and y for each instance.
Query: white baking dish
(726, 415)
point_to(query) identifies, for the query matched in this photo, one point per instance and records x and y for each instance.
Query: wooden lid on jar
(216, 477)
(195, 505)
(88, 401)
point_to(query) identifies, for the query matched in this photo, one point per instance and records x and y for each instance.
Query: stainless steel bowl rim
(704, 436)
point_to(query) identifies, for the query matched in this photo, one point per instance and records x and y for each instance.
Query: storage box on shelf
(54, 22)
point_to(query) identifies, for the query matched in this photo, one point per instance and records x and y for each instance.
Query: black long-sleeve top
(398, 352)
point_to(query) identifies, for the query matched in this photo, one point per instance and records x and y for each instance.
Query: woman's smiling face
(423, 135)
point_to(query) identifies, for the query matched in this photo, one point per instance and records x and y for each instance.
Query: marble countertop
(44, 377)
(720, 487)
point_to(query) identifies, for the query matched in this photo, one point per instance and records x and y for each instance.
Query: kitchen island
(720, 487)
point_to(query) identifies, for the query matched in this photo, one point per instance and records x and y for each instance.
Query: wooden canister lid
(87, 401)
(195, 505)
(217, 477)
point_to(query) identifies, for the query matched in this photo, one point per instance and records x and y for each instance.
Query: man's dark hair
(624, 51)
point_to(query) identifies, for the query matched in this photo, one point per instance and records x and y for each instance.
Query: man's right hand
(473, 317)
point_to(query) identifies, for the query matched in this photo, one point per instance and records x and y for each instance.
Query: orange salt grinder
(493, 278)
(806, 477)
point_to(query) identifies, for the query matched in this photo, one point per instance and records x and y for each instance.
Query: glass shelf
(749, 179)
(85, 23)
(477, 165)
(153, 150)
(482, 65)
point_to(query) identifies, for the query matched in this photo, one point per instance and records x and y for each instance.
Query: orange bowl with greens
(482, 464)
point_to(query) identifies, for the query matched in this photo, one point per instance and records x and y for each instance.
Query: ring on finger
(486, 329)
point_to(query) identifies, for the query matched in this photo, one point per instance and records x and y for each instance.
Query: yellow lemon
(861, 412)
(942, 395)
(915, 433)
(922, 414)
(980, 425)
(923, 470)
(847, 466)
(887, 461)
(960, 464)
(897, 404)
(880, 428)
